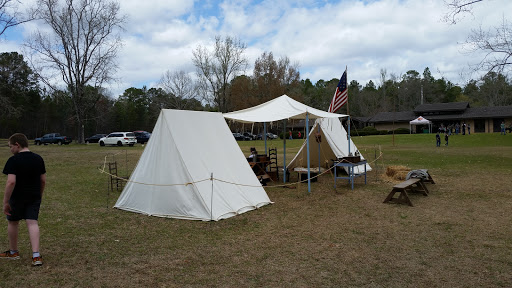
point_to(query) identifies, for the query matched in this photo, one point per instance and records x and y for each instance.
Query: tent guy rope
(211, 178)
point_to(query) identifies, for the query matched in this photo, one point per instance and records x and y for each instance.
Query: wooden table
(351, 175)
(259, 168)
(301, 171)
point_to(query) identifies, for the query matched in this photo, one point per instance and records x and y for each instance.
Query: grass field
(458, 236)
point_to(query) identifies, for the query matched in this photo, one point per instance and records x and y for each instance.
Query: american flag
(341, 94)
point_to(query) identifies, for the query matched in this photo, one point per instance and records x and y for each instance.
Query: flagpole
(346, 68)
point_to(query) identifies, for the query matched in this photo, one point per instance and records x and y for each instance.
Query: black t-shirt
(28, 168)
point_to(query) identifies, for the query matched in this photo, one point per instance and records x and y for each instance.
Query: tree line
(59, 87)
(26, 106)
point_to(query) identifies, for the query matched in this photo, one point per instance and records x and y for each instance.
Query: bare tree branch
(10, 16)
(181, 88)
(217, 68)
(82, 47)
(458, 8)
(497, 45)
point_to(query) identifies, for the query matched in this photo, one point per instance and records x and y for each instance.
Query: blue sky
(322, 36)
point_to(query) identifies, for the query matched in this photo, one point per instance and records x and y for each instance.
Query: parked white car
(119, 139)
(272, 136)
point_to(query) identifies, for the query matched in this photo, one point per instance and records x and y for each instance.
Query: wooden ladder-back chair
(114, 180)
(273, 170)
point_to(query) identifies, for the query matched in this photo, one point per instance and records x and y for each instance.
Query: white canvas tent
(173, 176)
(420, 121)
(333, 145)
(282, 108)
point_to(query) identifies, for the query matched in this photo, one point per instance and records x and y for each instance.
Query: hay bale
(396, 173)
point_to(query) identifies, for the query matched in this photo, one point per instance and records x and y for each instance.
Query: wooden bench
(411, 185)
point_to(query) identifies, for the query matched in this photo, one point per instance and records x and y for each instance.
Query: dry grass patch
(458, 236)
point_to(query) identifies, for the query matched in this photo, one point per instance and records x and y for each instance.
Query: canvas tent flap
(173, 176)
(280, 108)
(333, 145)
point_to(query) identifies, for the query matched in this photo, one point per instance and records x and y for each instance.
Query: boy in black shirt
(26, 179)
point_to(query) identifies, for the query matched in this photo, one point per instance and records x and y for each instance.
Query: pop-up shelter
(334, 144)
(282, 108)
(421, 121)
(192, 168)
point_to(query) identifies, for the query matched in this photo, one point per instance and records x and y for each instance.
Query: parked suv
(249, 135)
(269, 136)
(119, 139)
(142, 136)
(240, 137)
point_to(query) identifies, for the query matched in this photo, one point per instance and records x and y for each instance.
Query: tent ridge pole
(348, 135)
(211, 199)
(284, 151)
(318, 139)
(265, 136)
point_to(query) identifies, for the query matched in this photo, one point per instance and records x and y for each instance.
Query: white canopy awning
(280, 108)
(420, 120)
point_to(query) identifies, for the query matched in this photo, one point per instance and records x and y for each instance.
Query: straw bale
(396, 173)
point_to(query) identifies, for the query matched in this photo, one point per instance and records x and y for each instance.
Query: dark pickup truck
(53, 138)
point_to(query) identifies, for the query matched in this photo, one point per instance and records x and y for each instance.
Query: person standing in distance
(26, 179)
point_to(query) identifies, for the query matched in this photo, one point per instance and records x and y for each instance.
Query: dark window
(496, 124)
(479, 125)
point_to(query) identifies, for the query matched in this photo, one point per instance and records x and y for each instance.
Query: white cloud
(323, 36)
(152, 15)
(8, 46)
